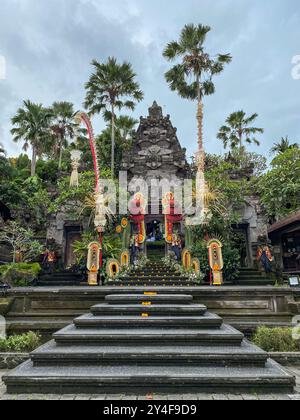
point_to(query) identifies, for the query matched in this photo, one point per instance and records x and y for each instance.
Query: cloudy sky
(48, 47)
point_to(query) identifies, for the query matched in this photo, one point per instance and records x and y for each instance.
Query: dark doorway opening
(241, 242)
(154, 231)
(72, 234)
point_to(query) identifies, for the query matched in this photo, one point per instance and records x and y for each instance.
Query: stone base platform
(49, 309)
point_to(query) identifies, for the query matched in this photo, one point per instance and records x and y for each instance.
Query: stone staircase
(253, 277)
(148, 343)
(61, 279)
(154, 274)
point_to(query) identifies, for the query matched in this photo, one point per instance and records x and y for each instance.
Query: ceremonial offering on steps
(216, 261)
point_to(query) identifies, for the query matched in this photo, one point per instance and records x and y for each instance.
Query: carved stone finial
(155, 111)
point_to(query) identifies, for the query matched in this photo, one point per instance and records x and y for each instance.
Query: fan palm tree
(192, 76)
(31, 124)
(239, 129)
(283, 146)
(62, 125)
(112, 86)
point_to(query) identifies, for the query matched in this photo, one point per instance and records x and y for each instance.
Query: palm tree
(31, 124)
(283, 146)
(112, 86)
(63, 125)
(196, 64)
(125, 125)
(239, 130)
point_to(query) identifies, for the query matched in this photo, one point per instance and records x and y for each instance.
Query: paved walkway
(200, 397)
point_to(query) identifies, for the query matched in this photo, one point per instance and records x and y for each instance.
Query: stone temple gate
(156, 154)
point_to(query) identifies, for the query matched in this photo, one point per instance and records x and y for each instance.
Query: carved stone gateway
(156, 154)
(156, 151)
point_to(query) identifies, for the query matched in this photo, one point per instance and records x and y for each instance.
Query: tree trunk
(33, 161)
(201, 156)
(112, 141)
(241, 141)
(60, 153)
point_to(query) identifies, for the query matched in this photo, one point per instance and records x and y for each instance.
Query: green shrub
(276, 340)
(20, 275)
(20, 343)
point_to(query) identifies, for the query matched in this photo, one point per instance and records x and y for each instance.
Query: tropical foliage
(283, 146)
(193, 76)
(20, 275)
(63, 128)
(276, 340)
(279, 188)
(31, 125)
(24, 343)
(239, 130)
(21, 241)
(112, 87)
(112, 246)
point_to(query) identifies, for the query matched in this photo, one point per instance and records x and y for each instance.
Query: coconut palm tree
(192, 76)
(62, 125)
(112, 86)
(239, 130)
(283, 146)
(31, 124)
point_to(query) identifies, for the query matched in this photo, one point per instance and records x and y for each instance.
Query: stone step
(225, 336)
(143, 379)
(169, 279)
(206, 321)
(61, 276)
(153, 309)
(146, 272)
(255, 282)
(153, 284)
(53, 355)
(52, 283)
(149, 296)
(253, 277)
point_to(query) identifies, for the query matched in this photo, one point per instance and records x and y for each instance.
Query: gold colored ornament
(124, 223)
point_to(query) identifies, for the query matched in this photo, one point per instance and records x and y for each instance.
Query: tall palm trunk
(112, 141)
(60, 152)
(201, 157)
(241, 140)
(33, 160)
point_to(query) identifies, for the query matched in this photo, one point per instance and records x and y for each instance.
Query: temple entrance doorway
(155, 242)
(72, 234)
(241, 240)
